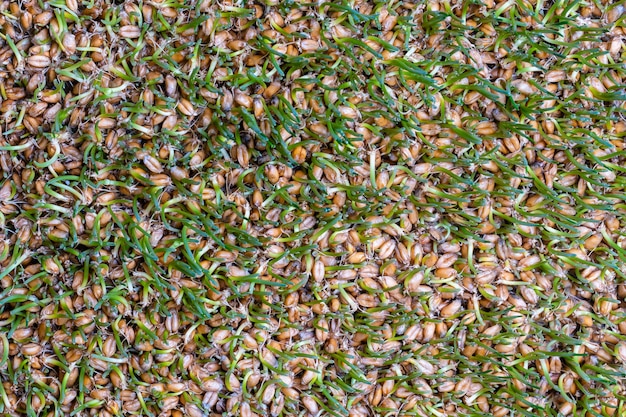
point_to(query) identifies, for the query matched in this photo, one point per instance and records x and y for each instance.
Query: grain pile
(303, 209)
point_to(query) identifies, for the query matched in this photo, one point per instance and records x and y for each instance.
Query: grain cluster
(288, 208)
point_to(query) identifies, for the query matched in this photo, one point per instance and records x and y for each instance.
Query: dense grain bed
(305, 209)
